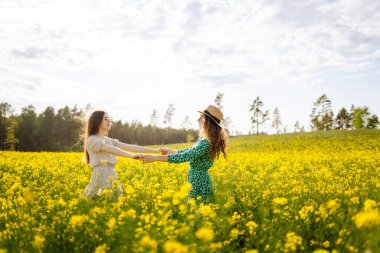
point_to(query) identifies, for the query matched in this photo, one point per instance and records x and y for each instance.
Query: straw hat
(213, 113)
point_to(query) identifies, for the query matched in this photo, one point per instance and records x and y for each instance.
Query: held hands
(166, 151)
(144, 158)
(151, 158)
(137, 156)
(148, 158)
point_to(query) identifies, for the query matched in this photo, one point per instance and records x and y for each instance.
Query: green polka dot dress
(200, 162)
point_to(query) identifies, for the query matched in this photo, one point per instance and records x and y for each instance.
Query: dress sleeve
(183, 150)
(94, 144)
(115, 142)
(194, 152)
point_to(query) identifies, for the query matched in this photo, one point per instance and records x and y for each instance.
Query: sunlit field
(306, 192)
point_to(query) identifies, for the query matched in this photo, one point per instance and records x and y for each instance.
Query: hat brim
(210, 118)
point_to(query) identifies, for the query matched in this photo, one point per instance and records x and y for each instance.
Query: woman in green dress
(211, 143)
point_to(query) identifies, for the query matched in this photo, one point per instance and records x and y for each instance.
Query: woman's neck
(102, 133)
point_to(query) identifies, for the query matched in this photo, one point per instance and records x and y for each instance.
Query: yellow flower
(205, 234)
(131, 213)
(77, 220)
(280, 201)
(292, 241)
(111, 223)
(175, 247)
(101, 248)
(326, 244)
(234, 233)
(332, 205)
(38, 241)
(354, 200)
(61, 202)
(352, 249)
(178, 197)
(148, 242)
(305, 210)
(206, 210)
(369, 204)
(251, 226)
(320, 251)
(367, 218)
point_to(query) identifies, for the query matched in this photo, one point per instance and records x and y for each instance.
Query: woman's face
(201, 120)
(106, 122)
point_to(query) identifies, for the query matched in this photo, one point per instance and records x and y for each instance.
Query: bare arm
(117, 151)
(168, 151)
(154, 158)
(137, 148)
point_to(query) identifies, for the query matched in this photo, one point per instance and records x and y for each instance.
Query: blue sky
(130, 57)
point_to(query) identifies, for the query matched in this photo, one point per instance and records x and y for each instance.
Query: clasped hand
(151, 158)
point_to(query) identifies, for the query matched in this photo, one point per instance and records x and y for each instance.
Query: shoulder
(94, 143)
(92, 139)
(204, 142)
(94, 136)
(114, 141)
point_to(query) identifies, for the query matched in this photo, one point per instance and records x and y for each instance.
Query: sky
(130, 57)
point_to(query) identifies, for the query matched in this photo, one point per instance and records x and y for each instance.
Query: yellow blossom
(280, 201)
(205, 234)
(175, 247)
(38, 241)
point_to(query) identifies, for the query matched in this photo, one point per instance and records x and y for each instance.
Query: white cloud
(134, 56)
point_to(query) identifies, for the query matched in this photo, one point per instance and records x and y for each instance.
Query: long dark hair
(217, 136)
(91, 127)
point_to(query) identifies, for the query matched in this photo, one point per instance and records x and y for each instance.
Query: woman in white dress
(100, 153)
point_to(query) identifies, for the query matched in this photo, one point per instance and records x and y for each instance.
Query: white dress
(103, 164)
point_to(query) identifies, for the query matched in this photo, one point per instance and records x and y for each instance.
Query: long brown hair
(91, 127)
(217, 136)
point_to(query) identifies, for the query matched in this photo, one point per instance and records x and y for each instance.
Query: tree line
(60, 130)
(322, 117)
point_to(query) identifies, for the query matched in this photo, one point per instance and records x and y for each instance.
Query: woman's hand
(148, 158)
(167, 151)
(137, 156)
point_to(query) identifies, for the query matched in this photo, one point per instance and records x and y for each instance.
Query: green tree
(169, 115)
(322, 117)
(276, 120)
(259, 116)
(343, 119)
(6, 111)
(373, 122)
(186, 124)
(359, 118)
(67, 127)
(46, 130)
(226, 122)
(27, 127)
(297, 127)
(11, 140)
(154, 117)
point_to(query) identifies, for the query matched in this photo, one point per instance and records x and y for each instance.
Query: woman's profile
(100, 153)
(212, 142)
